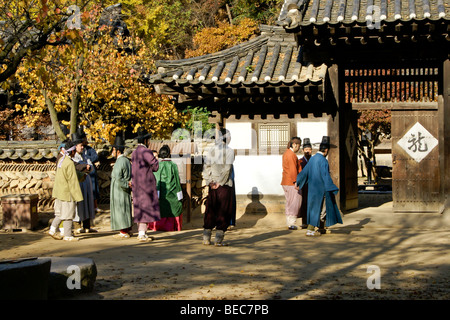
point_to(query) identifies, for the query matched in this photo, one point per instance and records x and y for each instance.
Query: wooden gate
(415, 160)
(410, 91)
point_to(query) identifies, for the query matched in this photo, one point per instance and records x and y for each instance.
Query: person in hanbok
(120, 196)
(290, 169)
(67, 193)
(91, 156)
(321, 191)
(233, 212)
(217, 172)
(170, 194)
(307, 153)
(143, 184)
(85, 212)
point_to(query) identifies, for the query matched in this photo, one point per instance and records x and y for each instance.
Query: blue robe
(91, 154)
(317, 175)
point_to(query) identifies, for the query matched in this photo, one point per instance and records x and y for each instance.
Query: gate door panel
(415, 160)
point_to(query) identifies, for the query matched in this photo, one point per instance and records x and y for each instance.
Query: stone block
(67, 272)
(24, 279)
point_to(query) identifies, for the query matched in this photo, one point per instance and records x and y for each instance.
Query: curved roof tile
(319, 12)
(272, 59)
(48, 150)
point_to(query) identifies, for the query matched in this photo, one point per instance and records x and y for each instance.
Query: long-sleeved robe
(90, 154)
(220, 203)
(291, 168)
(120, 197)
(67, 182)
(85, 208)
(145, 195)
(170, 196)
(303, 208)
(320, 185)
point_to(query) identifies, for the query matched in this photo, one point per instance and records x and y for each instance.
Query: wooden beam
(394, 106)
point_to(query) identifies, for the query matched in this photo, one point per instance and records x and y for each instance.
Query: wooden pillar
(334, 157)
(189, 185)
(342, 129)
(444, 107)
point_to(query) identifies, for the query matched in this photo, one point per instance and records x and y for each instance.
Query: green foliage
(263, 11)
(197, 114)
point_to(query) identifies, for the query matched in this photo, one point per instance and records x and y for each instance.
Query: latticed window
(272, 136)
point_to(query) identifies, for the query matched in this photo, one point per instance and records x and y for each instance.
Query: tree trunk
(75, 101)
(229, 14)
(53, 116)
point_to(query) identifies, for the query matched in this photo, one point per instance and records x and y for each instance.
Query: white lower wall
(260, 172)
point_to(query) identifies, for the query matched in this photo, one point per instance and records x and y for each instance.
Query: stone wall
(30, 167)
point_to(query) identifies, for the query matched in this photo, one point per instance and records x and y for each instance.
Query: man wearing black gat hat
(86, 208)
(145, 194)
(120, 197)
(321, 190)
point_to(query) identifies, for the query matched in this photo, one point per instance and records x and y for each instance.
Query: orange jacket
(291, 168)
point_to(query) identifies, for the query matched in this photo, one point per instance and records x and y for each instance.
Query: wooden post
(189, 186)
(445, 137)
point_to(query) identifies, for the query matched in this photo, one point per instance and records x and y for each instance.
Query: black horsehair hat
(81, 132)
(119, 142)
(325, 142)
(76, 138)
(143, 133)
(307, 143)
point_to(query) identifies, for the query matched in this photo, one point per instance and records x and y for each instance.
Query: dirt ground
(264, 260)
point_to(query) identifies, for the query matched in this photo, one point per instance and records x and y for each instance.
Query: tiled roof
(48, 150)
(269, 60)
(28, 150)
(318, 12)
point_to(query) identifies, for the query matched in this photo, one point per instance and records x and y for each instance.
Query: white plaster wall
(261, 172)
(241, 135)
(314, 130)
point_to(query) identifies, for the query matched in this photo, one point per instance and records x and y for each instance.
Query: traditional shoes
(121, 235)
(56, 236)
(81, 230)
(218, 241)
(59, 236)
(315, 233)
(207, 236)
(144, 238)
(70, 239)
(220, 234)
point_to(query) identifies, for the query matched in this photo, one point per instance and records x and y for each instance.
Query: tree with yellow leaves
(28, 26)
(96, 78)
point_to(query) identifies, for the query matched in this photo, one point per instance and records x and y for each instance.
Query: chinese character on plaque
(418, 142)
